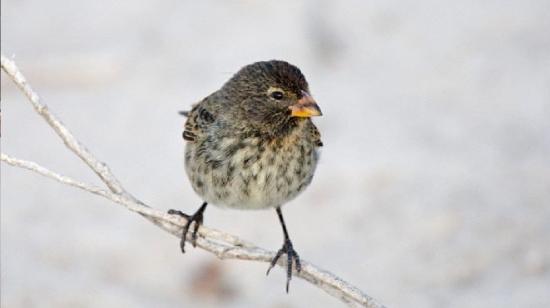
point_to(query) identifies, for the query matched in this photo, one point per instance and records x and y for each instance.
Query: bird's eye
(277, 95)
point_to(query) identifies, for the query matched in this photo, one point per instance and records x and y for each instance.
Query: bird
(253, 145)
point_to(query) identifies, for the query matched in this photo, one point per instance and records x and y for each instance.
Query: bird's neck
(286, 127)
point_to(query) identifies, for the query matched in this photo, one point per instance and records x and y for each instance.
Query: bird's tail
(183, 113)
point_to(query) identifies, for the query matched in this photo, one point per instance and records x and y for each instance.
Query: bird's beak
(306, 107)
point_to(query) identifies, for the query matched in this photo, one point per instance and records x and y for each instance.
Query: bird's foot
(292, 255)
(179, 213)
(197, 218)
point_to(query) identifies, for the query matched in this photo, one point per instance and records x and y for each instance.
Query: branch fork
(219, 243)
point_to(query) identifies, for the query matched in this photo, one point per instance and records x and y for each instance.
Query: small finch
(252, 145)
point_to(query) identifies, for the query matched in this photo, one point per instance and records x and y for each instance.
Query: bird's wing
(198, 120)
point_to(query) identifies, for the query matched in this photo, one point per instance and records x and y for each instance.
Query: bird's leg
(197, 218)
(287, 248)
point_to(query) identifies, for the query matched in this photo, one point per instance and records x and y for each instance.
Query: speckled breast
(251, 173)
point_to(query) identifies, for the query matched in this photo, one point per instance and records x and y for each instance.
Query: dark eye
(277, 95)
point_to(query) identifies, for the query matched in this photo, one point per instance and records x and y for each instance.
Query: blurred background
(434, 184)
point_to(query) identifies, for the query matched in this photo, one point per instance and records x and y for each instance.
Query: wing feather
(198, 121)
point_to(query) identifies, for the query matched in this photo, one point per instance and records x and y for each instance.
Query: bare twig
(223, 245)
(70, 141)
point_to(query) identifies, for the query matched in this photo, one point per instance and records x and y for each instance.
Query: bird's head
(270, 93)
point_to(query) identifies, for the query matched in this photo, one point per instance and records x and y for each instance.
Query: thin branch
(223, 245)
(130, 204)
(68, 138)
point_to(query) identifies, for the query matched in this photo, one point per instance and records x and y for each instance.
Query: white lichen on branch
(223, 245)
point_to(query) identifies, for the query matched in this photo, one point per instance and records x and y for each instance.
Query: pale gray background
(434, 184)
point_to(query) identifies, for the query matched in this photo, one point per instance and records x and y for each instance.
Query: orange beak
(306, 107)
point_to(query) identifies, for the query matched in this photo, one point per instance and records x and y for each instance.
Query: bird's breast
(251, 173)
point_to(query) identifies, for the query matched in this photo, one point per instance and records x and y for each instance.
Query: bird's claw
(179, 213)
(292, 255)
(197, 218)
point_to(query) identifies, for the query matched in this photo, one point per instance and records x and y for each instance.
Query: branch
(223, 245)
(70, 141)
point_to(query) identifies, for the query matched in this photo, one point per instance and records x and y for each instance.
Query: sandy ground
(434, 184)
